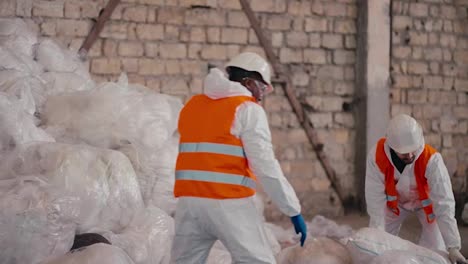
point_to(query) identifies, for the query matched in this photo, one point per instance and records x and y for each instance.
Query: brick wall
(167, 45)
(430, 75)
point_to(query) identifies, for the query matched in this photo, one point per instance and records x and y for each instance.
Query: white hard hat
(404, 134)
(250, 61)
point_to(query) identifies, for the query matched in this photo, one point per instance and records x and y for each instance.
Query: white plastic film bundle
(320, 226)
(94, 254)
(36, 220)
(104, 180)
(401, 257)
(16, 126)
(367, 243)
(148, 238)
(136, 121)
(16, 35)
(320, 250)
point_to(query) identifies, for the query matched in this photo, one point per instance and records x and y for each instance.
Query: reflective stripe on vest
(212, 148)
(388, 170)
(216, 177)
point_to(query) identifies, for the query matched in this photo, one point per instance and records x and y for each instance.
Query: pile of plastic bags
(79, 157)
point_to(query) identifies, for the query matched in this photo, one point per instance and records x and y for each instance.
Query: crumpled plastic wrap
(94, 254)
(16, 35)
(35, 220)
(320, 226)
(401, 257)
(148, 238)
(104, 180)
(367, 243)
(16, 126)
(133, 120)
(55, 58)
(11, 60)
(320, 250)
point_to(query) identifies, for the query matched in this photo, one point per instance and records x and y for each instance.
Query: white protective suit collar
(217, 86)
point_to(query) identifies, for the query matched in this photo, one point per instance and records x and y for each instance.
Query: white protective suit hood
(216, 86)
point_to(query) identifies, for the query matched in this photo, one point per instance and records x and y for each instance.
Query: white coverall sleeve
(251, 126)
(443, 201)
(375, 192)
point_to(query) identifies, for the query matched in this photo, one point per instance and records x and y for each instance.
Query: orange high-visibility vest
(420, 165)
(211, 161)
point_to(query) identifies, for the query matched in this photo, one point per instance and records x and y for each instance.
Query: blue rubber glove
(300, 227)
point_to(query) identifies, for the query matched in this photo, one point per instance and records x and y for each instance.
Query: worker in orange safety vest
(225, 150)
(403, 176)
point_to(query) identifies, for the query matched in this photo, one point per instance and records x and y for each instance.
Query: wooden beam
(97, 27)
(291, 95)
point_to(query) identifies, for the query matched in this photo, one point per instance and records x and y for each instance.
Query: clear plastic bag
(367, 243)
(402, 257)
(148, 238)
(136, 121)
(35, 220)
(16, 35)
(320, 250)
(56, 58)
(104, 180)
(16, 126)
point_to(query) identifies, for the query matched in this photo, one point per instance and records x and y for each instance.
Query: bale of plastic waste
(103, 180)
(320, 226)
(11, 60)
(367, 243)
(320, 250)
(36, 220)
(148, 238)
(94, 254)
(55, 58)
(402, 257)
(135, 121)
(17, 126)
(15, 34)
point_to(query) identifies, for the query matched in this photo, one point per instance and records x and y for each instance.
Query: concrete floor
(410, 229)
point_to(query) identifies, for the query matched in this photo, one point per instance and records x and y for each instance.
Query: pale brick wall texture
(168, 45)
(430, 75)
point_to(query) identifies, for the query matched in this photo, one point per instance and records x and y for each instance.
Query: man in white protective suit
(404, 176)
(225, 147)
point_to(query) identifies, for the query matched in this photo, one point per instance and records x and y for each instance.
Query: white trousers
(430, 238)
(236, 223)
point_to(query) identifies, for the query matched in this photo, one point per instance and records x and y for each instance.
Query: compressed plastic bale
(320, 226)
(55, 58)
(285, 238)
(320, 250)
(119, 117)
(160, 176)
(35, 220)
(94, 254)
(367, 243)
(20, 90)
(402, 257)
(148, 238)
(16, 126)
(11, 60)
(16, 35)
(104, 180)
(60, 82)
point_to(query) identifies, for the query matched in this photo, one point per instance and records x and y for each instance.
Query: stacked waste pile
(87, 171)
(78, 157)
